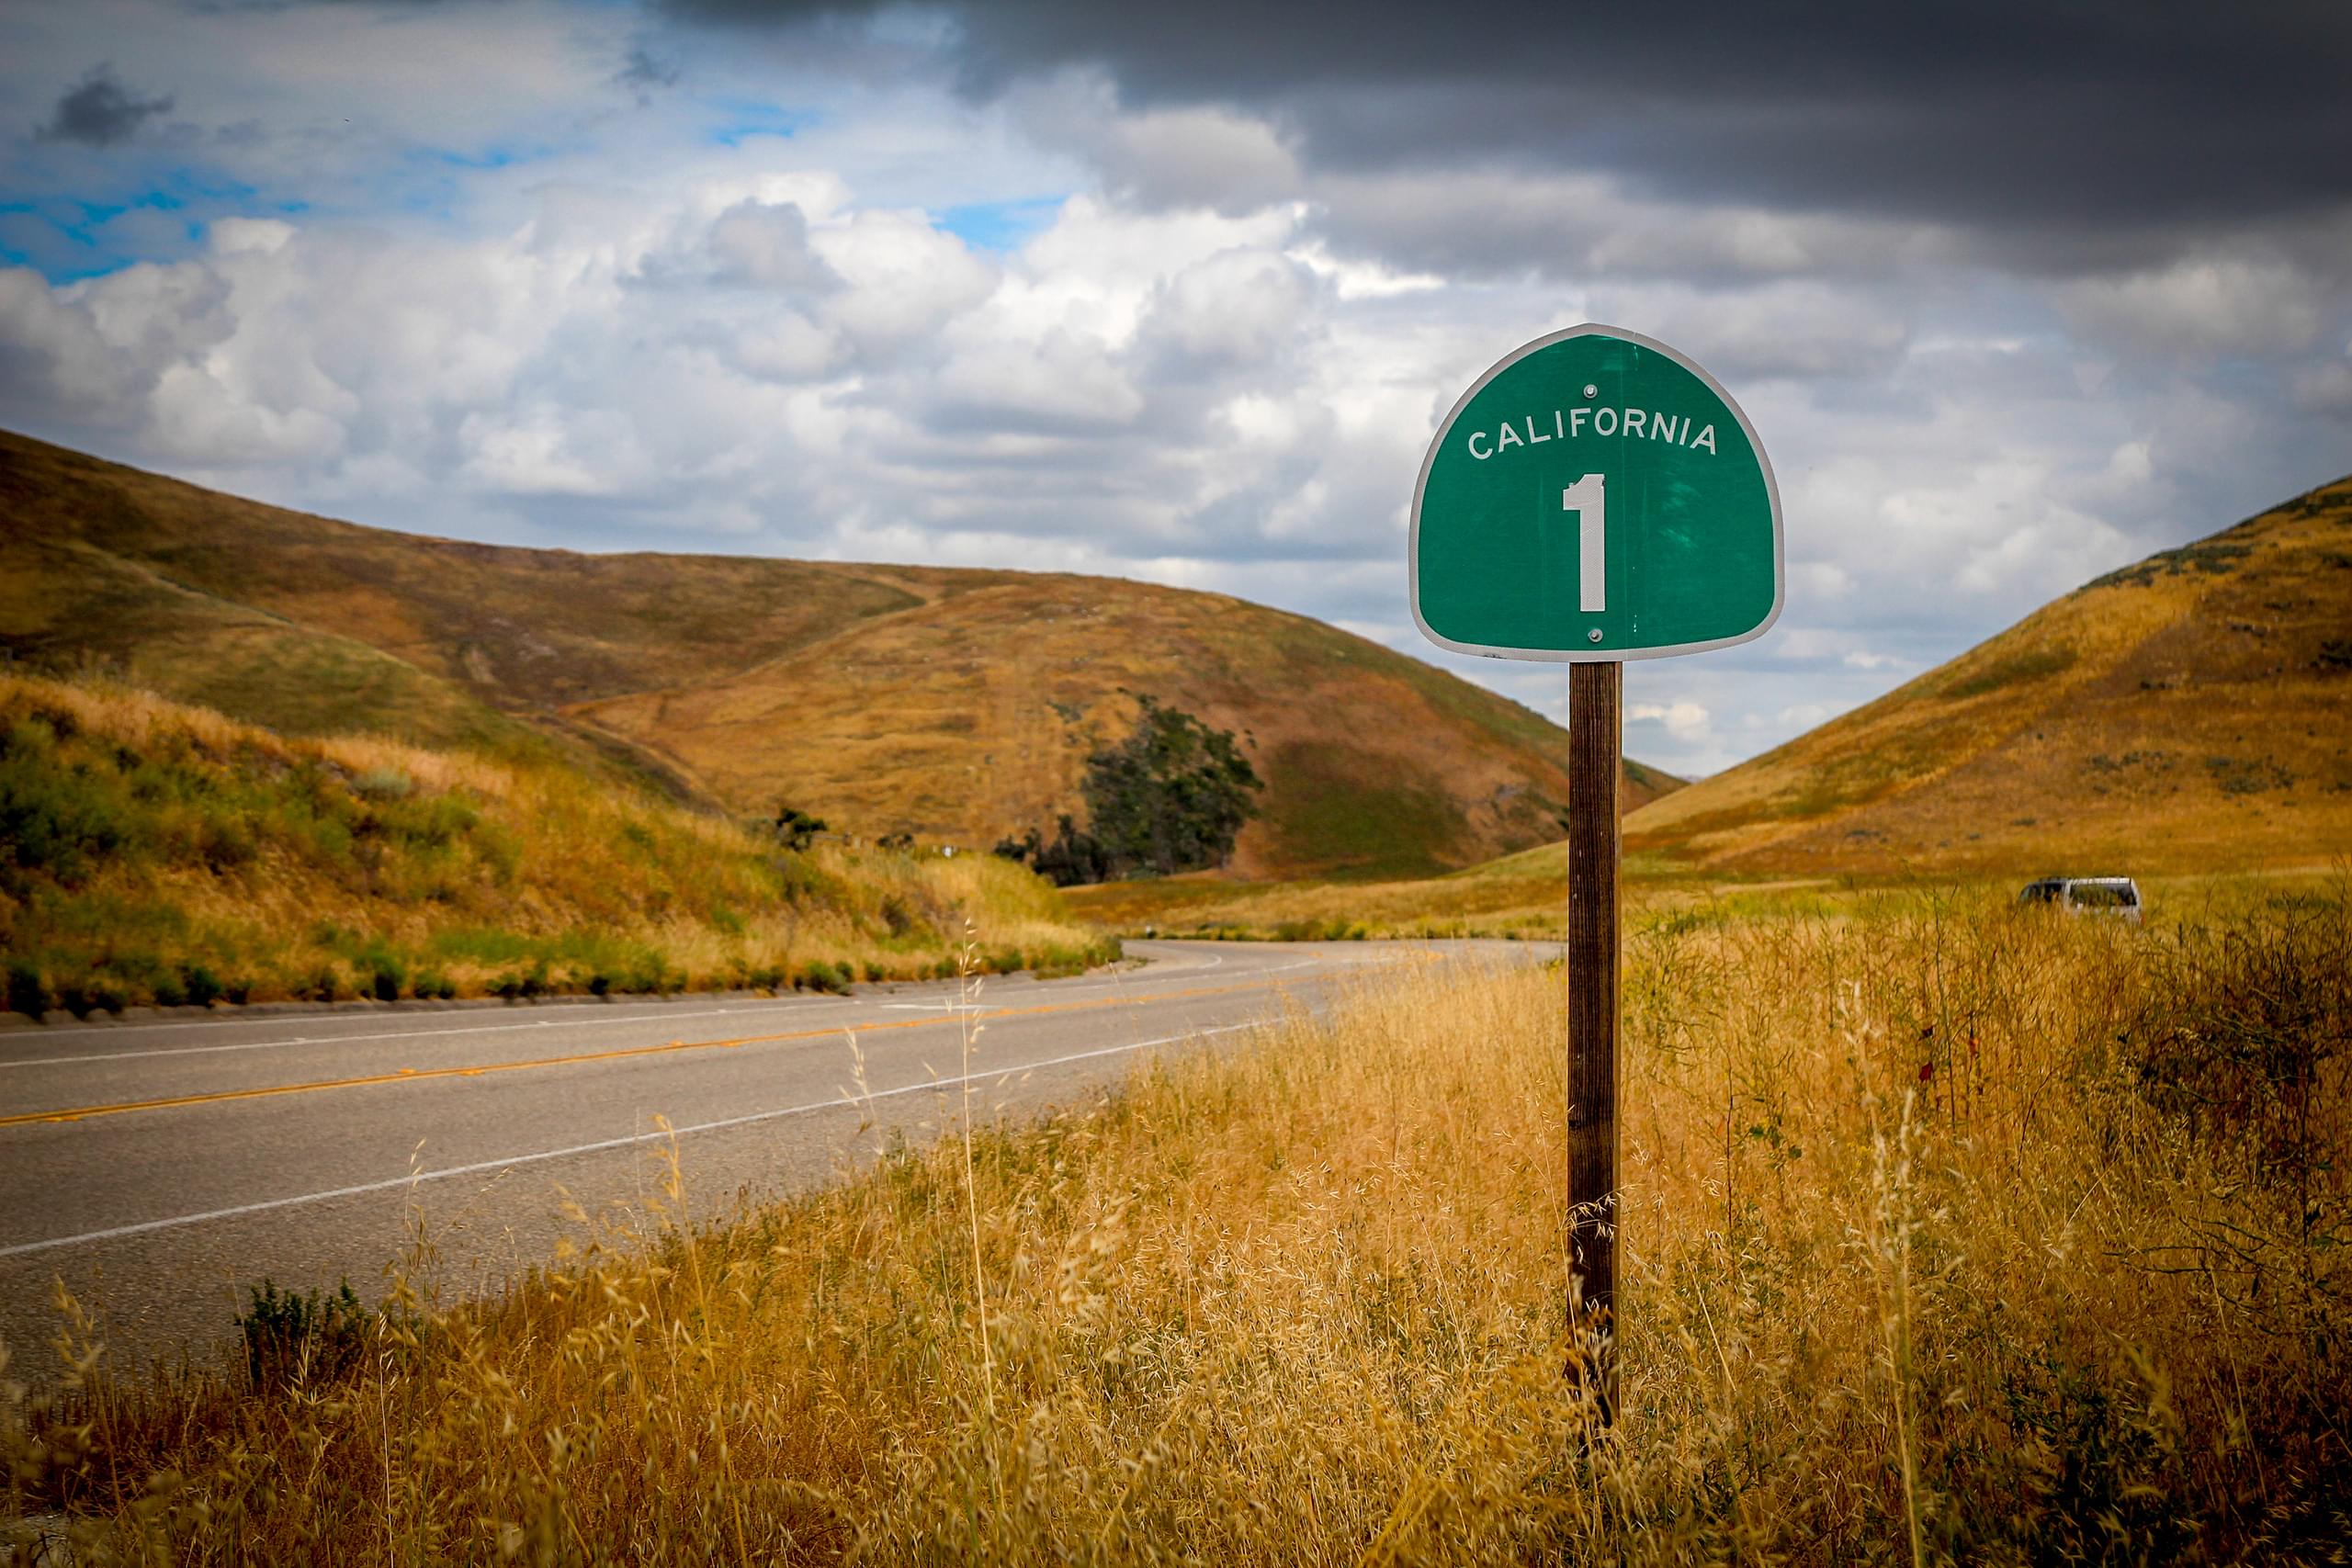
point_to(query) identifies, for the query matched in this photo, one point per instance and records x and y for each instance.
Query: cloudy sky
(2013, 292)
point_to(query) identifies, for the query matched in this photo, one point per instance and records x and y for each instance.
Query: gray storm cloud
(99, 111)
(2081, 134)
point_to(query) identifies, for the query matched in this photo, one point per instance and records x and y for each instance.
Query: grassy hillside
(1953, 1234)
(155, 852)
(977, 713)
(2191, 713)
(957, 705)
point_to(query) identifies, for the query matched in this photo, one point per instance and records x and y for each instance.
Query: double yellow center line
(416, 1075)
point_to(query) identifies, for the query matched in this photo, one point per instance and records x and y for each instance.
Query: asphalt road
(159, 1169)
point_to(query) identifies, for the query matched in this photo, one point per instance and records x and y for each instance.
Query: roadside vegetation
(1523, 898)
(152, 852)
(1954, 1233)
(1519, 897)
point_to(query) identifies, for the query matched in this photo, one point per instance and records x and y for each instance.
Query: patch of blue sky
(737, 120)
(66, 239)
(1001, 225)
(487, 158)
(432, 182)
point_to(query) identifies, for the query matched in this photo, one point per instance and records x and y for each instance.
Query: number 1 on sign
(1584, 498)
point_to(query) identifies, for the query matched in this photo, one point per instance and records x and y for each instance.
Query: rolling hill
(2191, 712)
(957, 704)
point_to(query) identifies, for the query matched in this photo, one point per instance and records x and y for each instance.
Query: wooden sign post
(1595, 727)
(1595, 497)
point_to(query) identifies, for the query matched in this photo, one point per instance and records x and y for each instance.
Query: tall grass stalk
(968, 1034)
(1893, 1175)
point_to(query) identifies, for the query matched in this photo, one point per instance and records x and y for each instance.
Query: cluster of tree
(1073, 856)
(795, 828)
(1171, 798)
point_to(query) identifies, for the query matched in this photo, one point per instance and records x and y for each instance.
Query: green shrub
(226, 844)
(326, 984)
(292, 1339)
(28, 993)
(203, 986)
(1053, 960)
(383, 783)
(647, 972)
(330, 841)
(819, 976)
(54, 818)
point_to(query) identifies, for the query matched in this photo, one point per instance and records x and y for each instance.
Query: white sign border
(1595, 655)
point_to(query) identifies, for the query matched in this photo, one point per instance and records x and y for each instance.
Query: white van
(2115, 896)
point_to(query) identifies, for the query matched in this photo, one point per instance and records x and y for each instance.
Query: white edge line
(950, 1007)
(420, 1177)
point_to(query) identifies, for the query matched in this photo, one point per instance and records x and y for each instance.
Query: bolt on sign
(1596, 496)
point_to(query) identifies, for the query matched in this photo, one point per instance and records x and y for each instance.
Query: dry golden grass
(1519, 896)
(1953, 1234)
(1522, 898)
(155, 852)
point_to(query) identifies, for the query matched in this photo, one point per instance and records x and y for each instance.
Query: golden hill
(2189, 712)
(957, 705)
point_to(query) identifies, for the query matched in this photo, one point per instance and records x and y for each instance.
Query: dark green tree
(1171, 798)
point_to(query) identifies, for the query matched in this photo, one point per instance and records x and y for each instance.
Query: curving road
(160, 1168)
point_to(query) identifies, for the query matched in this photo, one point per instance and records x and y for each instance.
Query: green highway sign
(1595, 497)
